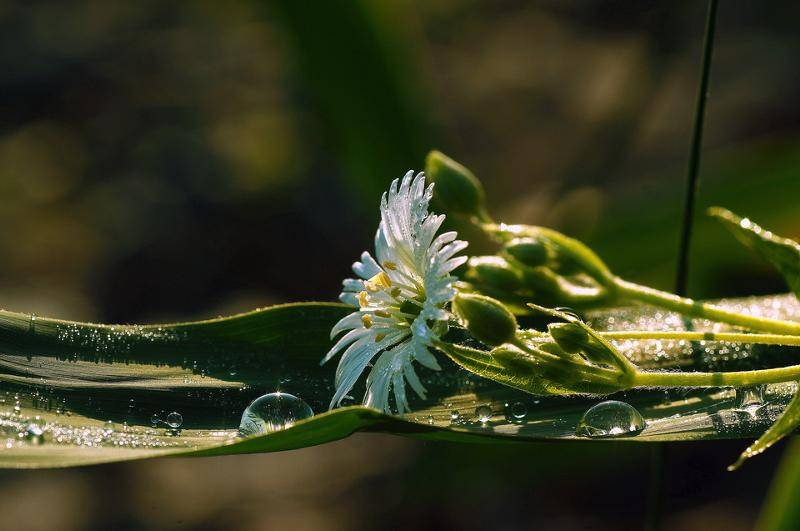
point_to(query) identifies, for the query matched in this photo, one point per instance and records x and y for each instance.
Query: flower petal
(348, 322)
(349, 337)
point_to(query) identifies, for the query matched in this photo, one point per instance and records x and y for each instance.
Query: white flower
(401, 298)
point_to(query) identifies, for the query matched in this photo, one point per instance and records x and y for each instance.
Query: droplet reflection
(611, 418)
(484, 414)
(273, 412)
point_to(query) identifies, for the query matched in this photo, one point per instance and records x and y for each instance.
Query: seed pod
(486, 319)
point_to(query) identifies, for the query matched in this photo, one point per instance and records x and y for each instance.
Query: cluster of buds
(570, 355)
(533, 263)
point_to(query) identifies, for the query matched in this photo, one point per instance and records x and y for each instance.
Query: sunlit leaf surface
(75, 393)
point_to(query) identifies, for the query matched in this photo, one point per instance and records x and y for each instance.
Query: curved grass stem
(635, 292)
(731, 337)
(715, 379)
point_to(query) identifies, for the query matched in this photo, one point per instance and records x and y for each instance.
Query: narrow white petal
(367, 267)
(423, 355)
(355, 360)
(350, 299)
(378, 382)
(399, 388)
(441, 240)
(353, 285)
(382, 250)
(450, 249)
(413, 379)
(348, 322)
(453, 263)
(349, 337)
(361, 353)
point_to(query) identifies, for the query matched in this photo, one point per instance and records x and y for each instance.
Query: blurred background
(169, 161)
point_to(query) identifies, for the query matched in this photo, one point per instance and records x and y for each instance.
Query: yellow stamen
(379, 338)
(395, 292)
(381, 280)
(366, 320)
(391, 266)
(362, 299)
(382, 313)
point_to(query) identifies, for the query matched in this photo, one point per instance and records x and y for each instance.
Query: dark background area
(171, 161)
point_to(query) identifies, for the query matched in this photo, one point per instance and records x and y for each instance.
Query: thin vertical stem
(692, 179)
(658, 455)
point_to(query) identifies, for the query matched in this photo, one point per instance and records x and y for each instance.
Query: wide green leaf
(75, 393)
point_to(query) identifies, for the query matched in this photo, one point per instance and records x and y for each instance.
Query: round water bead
(611, 418)
(516, 412)
(484, 413)
(174, 420)
(273, 412)
(33, 433)
(569, 312)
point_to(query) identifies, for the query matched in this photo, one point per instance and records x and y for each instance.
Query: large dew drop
(273, 412)
(610, 419)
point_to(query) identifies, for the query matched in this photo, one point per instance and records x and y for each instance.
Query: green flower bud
(569, 336)
(493, 271)
(571, 255)
(541, 279)
(487, 319)
(457, 188)
(531, 252)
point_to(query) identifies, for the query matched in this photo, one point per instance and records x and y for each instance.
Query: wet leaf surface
(74, 394)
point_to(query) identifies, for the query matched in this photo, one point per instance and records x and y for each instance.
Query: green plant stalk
(731, 337)
(715, 379)
(635, 292)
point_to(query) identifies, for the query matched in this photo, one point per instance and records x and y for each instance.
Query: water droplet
(33, 433)
(571, 314)
(455, 416)
(610, 419)
(155, 419)
(174, 420)
(484, 413)
(516, 412)
(273, 412)
(750, 399)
